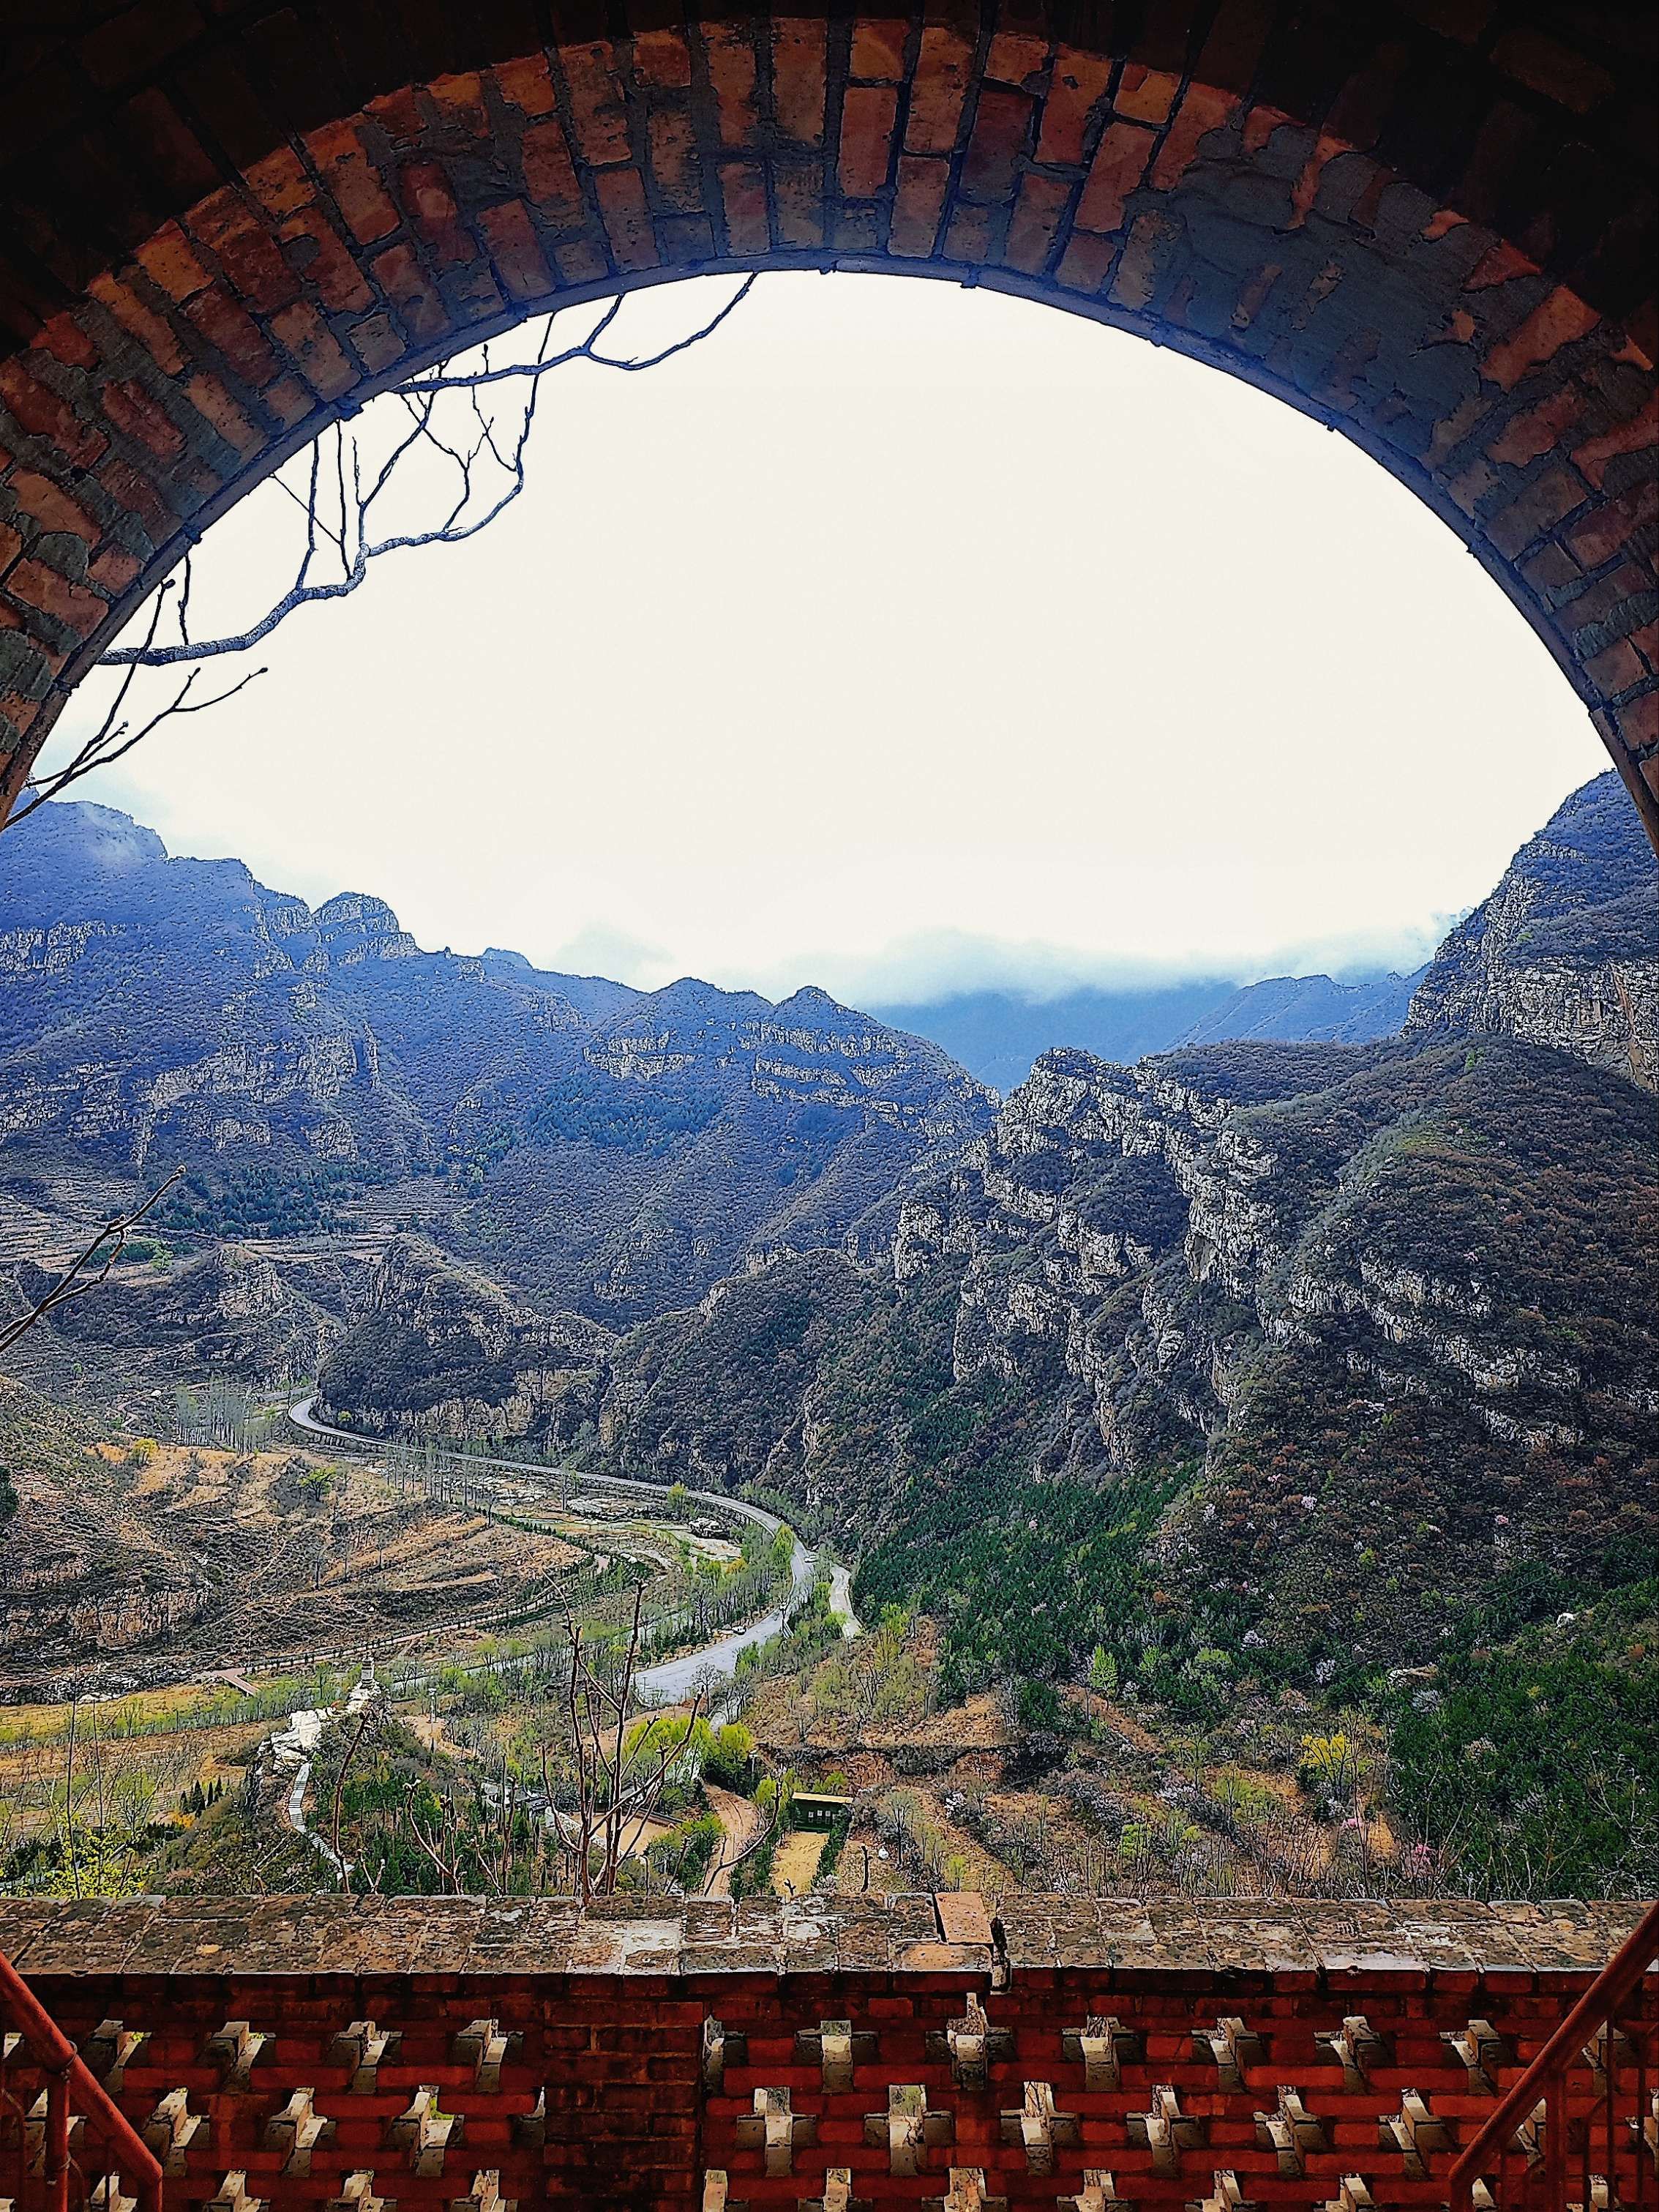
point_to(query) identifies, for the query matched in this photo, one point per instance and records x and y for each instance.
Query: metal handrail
(66, 2073)
(1613, 1987)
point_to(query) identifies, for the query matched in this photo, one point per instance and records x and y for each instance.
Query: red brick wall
(635, 2051)
(1429, 226)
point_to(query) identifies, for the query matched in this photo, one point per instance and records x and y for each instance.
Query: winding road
(677, 1678)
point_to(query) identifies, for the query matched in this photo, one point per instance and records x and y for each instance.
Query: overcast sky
(904, 640)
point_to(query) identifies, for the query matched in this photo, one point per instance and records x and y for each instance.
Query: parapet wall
(666, 2056)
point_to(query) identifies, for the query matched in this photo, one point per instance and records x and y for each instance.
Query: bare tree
(82, 1274)
(621, 1774)
(482, 452)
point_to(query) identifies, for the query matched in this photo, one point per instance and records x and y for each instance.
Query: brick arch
(1428, 225)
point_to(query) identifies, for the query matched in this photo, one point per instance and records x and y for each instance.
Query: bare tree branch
(351, 540)
(75, 1280)
(110, 743)
(487, 461)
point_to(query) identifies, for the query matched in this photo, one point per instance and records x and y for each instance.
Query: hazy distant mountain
(998, 1034)
(1309, 1010)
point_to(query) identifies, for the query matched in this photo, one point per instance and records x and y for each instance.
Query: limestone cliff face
(1368, 1325)
(697, 1130)
(1162, 1230)
(1566, 951)
(442, 1353)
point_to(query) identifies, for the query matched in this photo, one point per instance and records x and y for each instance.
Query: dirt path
(741, 1820)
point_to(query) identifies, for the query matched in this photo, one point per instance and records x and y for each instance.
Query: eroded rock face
(1566, 951)
(442, 1353)
(1164, 1227)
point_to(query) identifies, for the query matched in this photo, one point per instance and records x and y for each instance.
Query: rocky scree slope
(600, 1149)
(1566, 951)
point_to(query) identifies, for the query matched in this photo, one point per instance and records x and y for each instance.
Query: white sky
(900, 639)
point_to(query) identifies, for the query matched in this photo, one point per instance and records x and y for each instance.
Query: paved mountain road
(677, 1678)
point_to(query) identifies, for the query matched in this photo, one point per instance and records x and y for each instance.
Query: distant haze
(907, 640)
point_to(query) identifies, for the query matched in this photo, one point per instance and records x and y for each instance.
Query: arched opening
(1184, 185)
(1429, 238)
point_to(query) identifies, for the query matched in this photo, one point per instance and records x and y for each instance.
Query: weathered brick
(37, 585)
(1555, 322)
(318, 257)
(526, 85)
(918, 205)
(1119, 165)
(1202, 110)
(227, 227)
(743, 199)
(549, 175)
(1077, 88)
(139, 322)
(596, 103)
(798, 80)
(673, 154)
(1146, 95)
(1001, 121)
(215, 404)
(627, 223)
(940, 90)
(49, 507)
(138, 415)
(732, 71)
(868, 117)
(1016, 56)
(1035, 222)
(1634, 435)
(423, 188)
(877, 50)
(44, 413)
(232, 332)
(358, 190)
(399, 275)
(1548, 500)
(510, 238)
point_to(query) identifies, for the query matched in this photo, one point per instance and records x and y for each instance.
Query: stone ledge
(681, 1940)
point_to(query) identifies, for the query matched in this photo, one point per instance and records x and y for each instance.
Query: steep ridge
(440, 1351)
(597, 1148)
(699, 1128)
(1308, 1010)
(153, 1010)
(1566, 951)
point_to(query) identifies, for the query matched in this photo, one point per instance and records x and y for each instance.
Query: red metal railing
(1570, 2121)
(69, 2085)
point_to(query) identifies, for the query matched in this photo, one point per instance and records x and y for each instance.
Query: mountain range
(1318, 1364)
(999, 1034)
(606, 1149)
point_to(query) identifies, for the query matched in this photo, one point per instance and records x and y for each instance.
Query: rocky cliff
(1343, 1332)
(1566, 951)
(441, 1351)
(700, 1129)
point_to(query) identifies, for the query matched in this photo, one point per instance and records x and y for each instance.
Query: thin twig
(75, 1282)
(419, 398)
